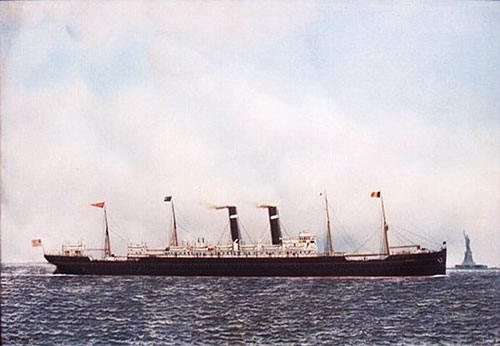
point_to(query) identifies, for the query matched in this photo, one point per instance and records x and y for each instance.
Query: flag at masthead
(173, 241)
(107, 243)
(385, 241)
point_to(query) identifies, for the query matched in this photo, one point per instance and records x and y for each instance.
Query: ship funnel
(274, 221)
(233, 223)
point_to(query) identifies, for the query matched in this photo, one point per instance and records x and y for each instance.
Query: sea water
(40, 308)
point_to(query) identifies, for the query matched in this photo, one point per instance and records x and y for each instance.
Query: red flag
(375, 194)
(98, 205)
(36, 242)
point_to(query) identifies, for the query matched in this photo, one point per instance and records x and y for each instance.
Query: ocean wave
(40, 308)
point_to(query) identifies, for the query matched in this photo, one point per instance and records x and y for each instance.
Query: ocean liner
(291, 257)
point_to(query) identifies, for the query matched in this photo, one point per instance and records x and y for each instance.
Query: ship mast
(385, 226)
(174, 240)
(107, 243)
(385, 239)
(329, 240)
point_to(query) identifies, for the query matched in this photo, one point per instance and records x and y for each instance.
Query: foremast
(107, 242)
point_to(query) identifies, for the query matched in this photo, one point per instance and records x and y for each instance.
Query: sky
(250, 102)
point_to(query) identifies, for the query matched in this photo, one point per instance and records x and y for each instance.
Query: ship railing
(232, 254)
(410, 246)
(117, 258)
(272, 247)
(134, 256)
(200, 248)
(364, 256)
(154, 252)
(177, 248)
(246, 248)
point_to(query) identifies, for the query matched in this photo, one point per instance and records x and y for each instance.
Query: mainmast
(173, 240)
(385, 226)
(329, 239)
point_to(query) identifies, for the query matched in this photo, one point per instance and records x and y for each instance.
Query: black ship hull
(417, 264)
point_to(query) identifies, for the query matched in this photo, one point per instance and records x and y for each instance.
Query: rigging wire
(284, 229)
(180, 217)
(117, 226)
(222, 234)
(402, 239)
(345, 240)
(183, 229)
(184, 225)
(417, 235)
(340, 231)
(181, 221)
(245, 230)
(366, 241)
(263, 236)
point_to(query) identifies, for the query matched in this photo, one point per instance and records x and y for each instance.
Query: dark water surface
(39, 308)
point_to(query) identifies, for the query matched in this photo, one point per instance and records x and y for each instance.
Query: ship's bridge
(305, 242)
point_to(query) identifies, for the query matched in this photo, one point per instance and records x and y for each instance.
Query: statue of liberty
(468, 261)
